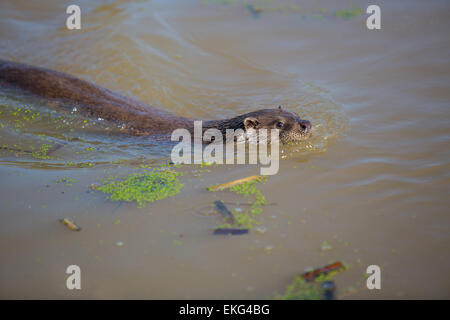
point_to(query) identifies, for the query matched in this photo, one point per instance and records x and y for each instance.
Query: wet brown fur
(135, 117)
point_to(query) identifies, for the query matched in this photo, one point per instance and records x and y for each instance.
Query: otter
(133, 116)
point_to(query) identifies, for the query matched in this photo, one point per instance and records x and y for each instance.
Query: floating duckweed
(247, 219)
(326, 277)
(42, 153)
(66, 180)
(144, 187)
(299, 289)
(205, 164)
(346, 14)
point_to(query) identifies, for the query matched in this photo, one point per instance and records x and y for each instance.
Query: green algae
(350, 13)
(249, 189)
(42, 153)
(299, 289)
(17, 117)
(66, 180)
(149, 186)
(248, 218)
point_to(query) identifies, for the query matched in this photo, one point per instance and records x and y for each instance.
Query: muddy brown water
(373, 183)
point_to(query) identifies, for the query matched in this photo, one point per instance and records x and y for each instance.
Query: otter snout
(305, 125)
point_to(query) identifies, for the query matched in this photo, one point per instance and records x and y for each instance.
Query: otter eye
(280, 125)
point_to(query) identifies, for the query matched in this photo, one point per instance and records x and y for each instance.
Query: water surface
(372, 183)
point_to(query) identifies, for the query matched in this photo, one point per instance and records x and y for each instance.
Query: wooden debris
(312, 275)
(223, 210)
(232, 231)
(255, 11)
(233, 183)
(329, 290)
(70, 224)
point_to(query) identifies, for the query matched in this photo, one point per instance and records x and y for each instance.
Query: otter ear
(250, 123)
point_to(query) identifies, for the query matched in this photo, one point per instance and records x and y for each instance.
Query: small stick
(248, 204)
(312, 275)
(233, 183)
(329, 290)
(70, 224)
(232, 231)
(229, 217)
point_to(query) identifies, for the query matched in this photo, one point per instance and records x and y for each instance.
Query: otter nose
(305, 125)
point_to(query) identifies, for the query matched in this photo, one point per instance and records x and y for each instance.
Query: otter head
(291, 127)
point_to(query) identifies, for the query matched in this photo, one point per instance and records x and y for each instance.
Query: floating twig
(329, 290)
(312, 275)
(232, 231)
(233, 183)
(70, 224)
(223, 210)
(256, 12)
